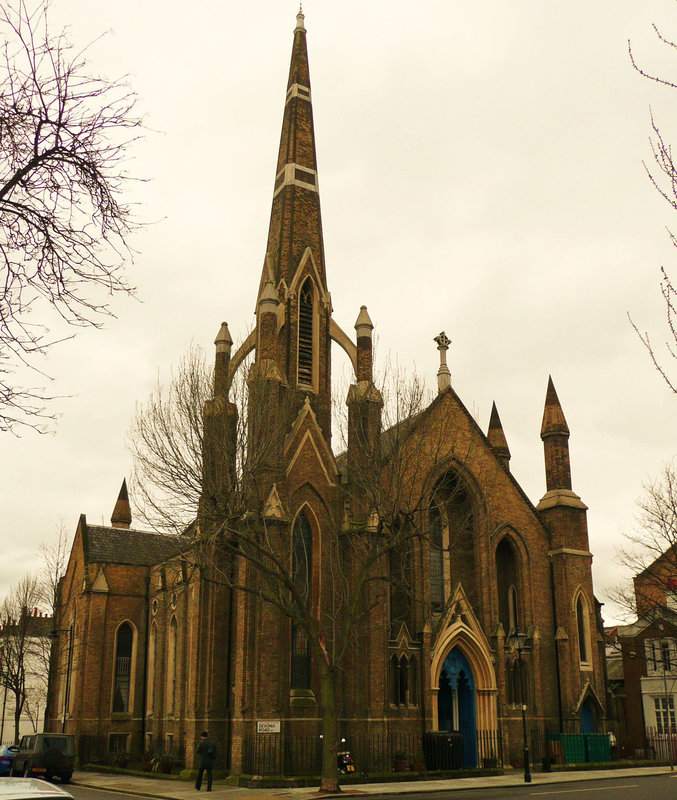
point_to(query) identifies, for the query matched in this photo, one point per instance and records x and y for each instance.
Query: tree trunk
(329, 781)
(18, 708)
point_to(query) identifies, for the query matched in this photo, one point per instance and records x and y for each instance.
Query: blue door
(456, 703)
(587, 717)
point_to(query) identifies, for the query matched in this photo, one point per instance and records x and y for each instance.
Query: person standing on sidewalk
(206, 751)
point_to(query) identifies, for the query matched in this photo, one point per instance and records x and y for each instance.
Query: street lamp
(518, 640)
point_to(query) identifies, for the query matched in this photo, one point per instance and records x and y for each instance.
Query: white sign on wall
(268, 726)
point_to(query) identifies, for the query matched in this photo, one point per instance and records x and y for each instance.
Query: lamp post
(518, 639)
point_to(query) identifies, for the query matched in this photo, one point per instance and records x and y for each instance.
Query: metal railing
(373, 753)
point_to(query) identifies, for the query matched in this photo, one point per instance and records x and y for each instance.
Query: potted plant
(400, 761)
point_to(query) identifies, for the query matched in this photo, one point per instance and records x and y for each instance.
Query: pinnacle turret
(496, 437)
(122, 513)
(555, 435)
(224, 344)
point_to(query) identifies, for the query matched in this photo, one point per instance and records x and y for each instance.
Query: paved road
(655, 787)
(646, 783)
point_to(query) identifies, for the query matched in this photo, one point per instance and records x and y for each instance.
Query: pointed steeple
(497, 439)
(555, 436)
(293, 306)
(122, 513)
(295, 221)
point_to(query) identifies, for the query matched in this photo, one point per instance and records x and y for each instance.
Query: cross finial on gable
(443, 374)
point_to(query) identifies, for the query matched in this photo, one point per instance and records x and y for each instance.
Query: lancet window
(124, 642)
(305, 353)
(582, 622)
(302, 560)
(507, 575)
(403, 680)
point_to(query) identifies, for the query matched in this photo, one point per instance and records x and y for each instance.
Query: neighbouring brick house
(151, 652)
(648, 652)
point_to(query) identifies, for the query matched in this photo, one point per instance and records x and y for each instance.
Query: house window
(665, 655)
(305, 355)
(660, 655)
(302, 559)
(123, 667)
(665, 714)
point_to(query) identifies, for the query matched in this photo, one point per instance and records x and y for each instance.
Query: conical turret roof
(553, 416)
(122, 513)
(496, 436)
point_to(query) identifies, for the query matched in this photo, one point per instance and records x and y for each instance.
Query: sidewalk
(182, 790)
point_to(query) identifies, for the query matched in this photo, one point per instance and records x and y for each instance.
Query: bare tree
(370, 556)
(54, 557)
(64, 134)
(663, 175)
(650, 550)
(24, 645)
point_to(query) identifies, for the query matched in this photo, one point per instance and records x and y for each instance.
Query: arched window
(452, 543)
(436, 557)
(305, 356)
(517, 683)
(302, 560)
(507, 583)
(152, 660)
(403, 680)
(172, 666)
(393, 675)
(400, 586)
(124, 643)
(583, 625)
(413, 681)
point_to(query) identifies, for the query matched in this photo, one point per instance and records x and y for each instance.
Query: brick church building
(150, 651)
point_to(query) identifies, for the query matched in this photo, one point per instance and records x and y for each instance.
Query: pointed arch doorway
(456, 703)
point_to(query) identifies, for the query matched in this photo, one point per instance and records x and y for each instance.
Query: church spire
(293, 305)
(295, 221)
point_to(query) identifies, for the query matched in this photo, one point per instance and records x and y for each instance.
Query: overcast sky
(480, 167)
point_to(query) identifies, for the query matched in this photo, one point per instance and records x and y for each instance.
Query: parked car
(45, 755)
(6, 755)
(30, 789)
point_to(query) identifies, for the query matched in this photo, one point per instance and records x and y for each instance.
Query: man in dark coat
(206, 751)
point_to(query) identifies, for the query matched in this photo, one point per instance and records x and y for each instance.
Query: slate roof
(126, 546)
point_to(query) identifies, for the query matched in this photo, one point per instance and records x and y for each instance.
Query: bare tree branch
(64, 136)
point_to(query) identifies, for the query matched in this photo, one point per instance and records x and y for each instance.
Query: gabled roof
(125, 546)
(406, 427)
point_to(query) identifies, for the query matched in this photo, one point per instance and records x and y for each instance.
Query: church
(477, 608)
